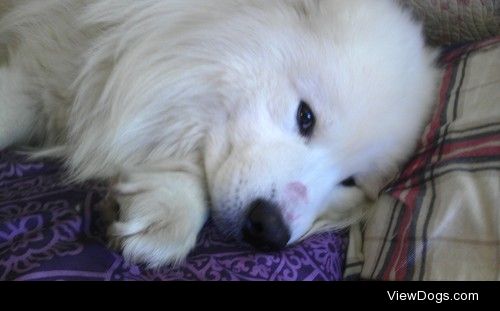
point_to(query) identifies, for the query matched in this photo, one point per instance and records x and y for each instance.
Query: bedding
(457, 21)
(440, 218)
(53, 231)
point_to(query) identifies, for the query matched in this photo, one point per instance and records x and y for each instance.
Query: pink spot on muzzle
(290, 216)
(296, 192)
(294, 196)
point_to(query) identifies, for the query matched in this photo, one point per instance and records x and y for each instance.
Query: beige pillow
(456, 21)
(440, 219)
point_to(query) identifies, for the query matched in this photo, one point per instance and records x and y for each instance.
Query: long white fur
(186, 100)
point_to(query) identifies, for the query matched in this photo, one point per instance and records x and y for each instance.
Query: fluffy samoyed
(279, 117)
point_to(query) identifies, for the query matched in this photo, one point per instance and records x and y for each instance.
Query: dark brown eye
(349, 182)
(305, 119)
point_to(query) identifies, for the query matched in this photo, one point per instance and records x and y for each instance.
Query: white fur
(185, 100)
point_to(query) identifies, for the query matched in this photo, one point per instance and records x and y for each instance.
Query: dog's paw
(160, 216)
(154, 243)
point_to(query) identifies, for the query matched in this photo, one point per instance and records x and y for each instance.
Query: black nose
(264, 226)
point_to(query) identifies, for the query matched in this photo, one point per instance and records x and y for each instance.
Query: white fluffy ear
(139, 90)
(372, 184)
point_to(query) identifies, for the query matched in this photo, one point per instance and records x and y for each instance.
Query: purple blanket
(52, 231)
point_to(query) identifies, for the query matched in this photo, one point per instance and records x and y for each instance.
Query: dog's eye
(305, 119)
(349, 182)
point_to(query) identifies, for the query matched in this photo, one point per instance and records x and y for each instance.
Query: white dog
(280, 116)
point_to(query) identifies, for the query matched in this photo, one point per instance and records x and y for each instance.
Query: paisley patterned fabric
(50, 230)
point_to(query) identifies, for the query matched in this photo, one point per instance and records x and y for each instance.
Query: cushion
(52, 231)
(457, 21)
(440, 218)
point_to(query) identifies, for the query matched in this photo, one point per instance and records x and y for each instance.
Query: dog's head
(303, 107)
(319, 101)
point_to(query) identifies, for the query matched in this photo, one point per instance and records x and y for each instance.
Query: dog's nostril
(257, 227)
(264, 226)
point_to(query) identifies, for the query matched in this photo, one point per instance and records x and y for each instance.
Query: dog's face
(314, 112)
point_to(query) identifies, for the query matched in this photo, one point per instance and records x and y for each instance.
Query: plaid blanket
(440, 218)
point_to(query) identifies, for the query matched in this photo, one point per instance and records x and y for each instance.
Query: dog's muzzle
(264, 226)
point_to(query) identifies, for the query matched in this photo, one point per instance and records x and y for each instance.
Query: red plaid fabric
(440, 219)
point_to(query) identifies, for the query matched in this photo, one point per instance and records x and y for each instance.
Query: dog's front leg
(161, 213)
